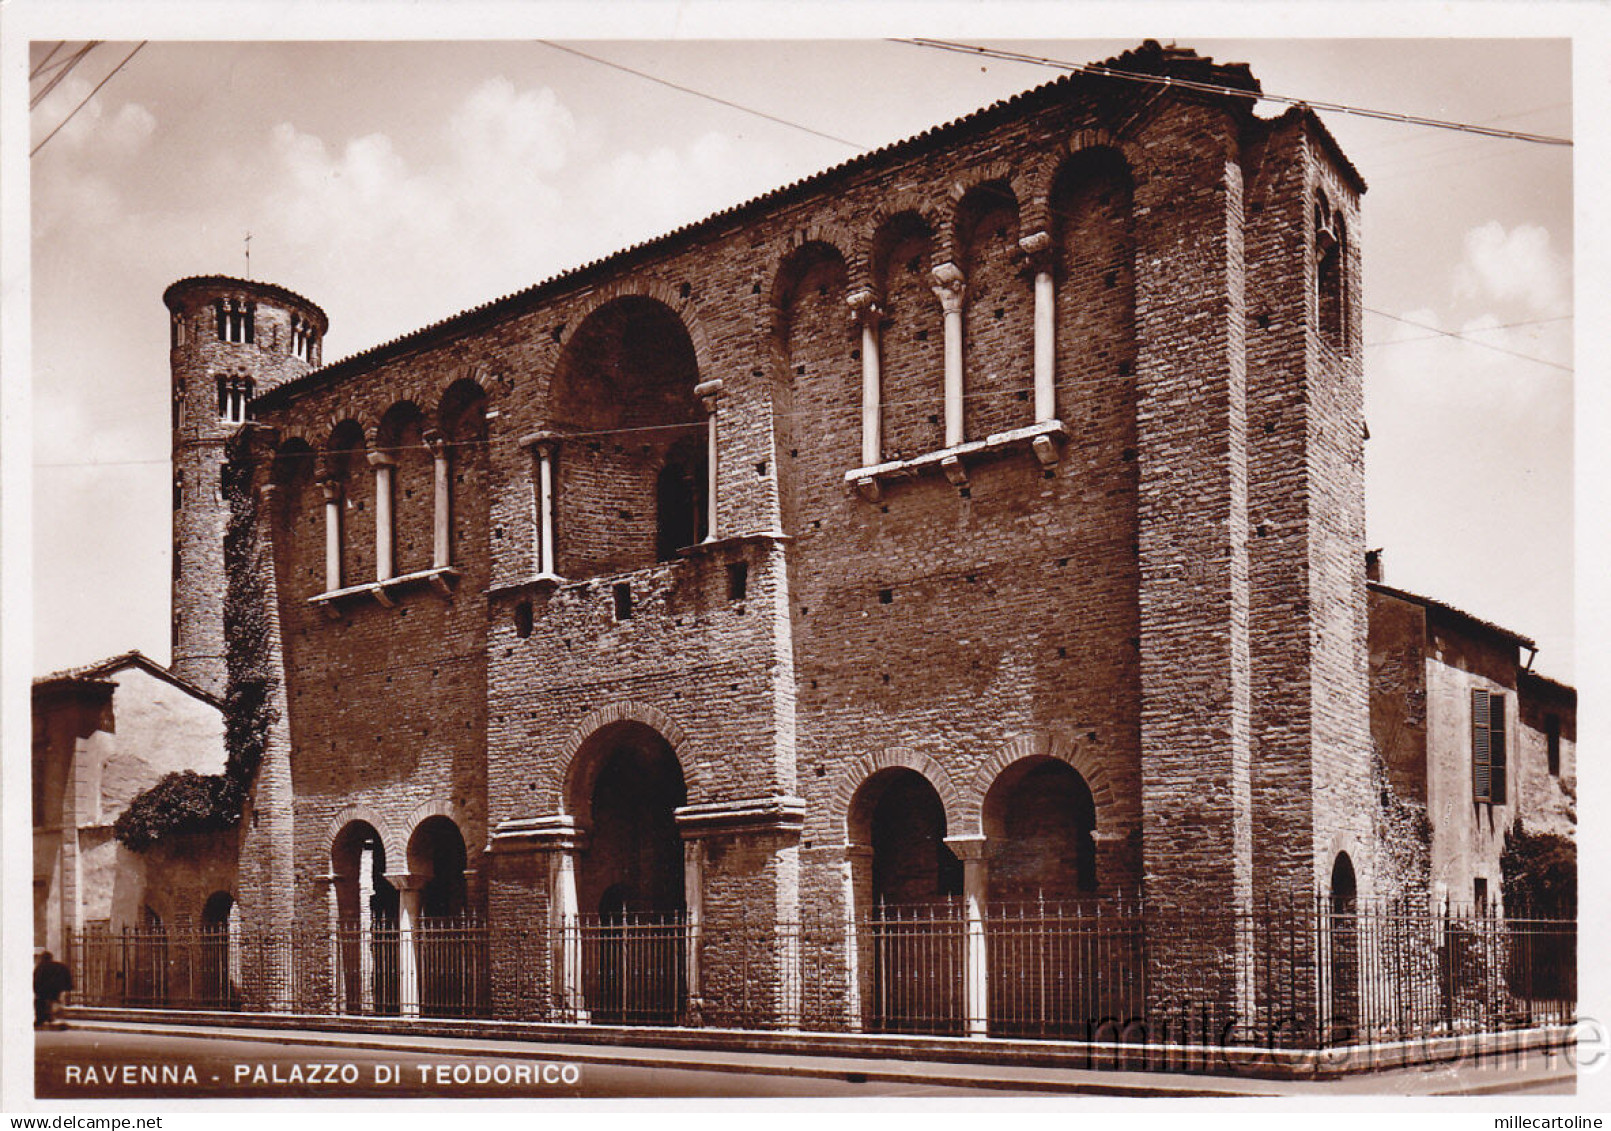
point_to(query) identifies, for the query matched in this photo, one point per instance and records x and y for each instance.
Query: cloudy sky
(396, 184)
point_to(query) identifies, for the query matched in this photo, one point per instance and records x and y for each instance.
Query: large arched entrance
(915, 923)
(366, 922)
(631, 473)
(1055, 968)
(449, 948)
(626, 790)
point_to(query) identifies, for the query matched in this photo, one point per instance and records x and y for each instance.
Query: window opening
(1488, 746)
(1552, 743)
(738, 580)
(623, 600)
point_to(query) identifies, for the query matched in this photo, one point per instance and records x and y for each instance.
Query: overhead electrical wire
(38, 70)
(1101, 71)
(87, 97)
(66, 66)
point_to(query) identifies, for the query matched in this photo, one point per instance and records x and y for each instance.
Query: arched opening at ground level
(626, 787)
(445, 947)
(1343, 933)
(911, 943)
(218, 971)
(367, 909)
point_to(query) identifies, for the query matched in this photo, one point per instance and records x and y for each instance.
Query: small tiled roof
(1552, 687)
(1464, 618)
(101, 672)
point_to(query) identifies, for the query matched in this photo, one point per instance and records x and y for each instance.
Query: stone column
(332, 534)
(566, 922)
(1038, 247)
(857, 873)
(338, 967)
(366, 929)
(544, 446)
(708, 393)
(976, 974)
(949, 286)
(408, 916)
(384, 466)
(693, 894)
(867, 312)
(442, 501)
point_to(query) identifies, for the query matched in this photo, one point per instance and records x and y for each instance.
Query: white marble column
(709, 392)
(1038, 247)
(867, 313)
(857, 877)
(693, 894)
(545, 508)
(385, 467)
(366, 929)
(950, 287)
(332, 534)
(408, 918)
(442, 501)
(976, 973)
(565, 920)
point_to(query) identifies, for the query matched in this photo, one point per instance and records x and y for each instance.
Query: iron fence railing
(1099, 970)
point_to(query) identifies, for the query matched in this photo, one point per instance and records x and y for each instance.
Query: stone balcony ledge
(443, 579)
(1043, 439)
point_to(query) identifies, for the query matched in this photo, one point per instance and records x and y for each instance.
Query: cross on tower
(248, 255)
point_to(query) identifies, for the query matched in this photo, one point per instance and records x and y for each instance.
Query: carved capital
(949, 287)
(331, 489)
(1037, 249)
(542, 444)
(708, 392)
(381, 459)
(437, 442)
(864, 307)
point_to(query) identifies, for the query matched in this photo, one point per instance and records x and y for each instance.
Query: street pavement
(133, 1060)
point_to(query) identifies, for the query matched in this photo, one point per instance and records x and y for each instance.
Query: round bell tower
(229, 341)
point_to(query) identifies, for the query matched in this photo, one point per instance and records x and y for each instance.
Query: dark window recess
(1479, 895)
(680, 498)
(1488, 746)
(1552, 743)
(886, 596)
(1331, 246)
(623, 600)
(738, 580)
(523, 619)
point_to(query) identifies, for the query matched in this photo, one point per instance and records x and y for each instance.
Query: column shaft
(408, 980)
(441, 513)
(332, 536)
(950, 288)
(1045, 346)
(384, 561)
(976, 973)
(545, 511)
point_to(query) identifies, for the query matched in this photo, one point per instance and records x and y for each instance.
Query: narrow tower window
(234, 391)
(1331, 248)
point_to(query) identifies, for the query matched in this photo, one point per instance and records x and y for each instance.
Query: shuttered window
(1488, 746)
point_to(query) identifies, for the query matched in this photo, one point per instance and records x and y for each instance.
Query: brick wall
(1118, 609)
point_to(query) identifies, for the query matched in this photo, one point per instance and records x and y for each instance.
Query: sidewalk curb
(1028, 1078)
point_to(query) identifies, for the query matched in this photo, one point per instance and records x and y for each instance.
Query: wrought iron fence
(1108, 970)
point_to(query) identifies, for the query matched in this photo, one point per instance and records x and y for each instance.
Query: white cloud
(1514, 265)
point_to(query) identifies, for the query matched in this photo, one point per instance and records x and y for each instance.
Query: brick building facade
(979, 519)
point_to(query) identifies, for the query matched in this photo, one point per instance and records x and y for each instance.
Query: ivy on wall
(185, 801)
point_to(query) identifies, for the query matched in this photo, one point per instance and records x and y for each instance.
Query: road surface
(91, 1064)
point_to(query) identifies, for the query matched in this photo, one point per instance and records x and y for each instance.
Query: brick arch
(435, 808)
(855, 775)
(899, 204)
(558, 794)
(782, 267)
(976, 177)
(1035, 201)
(394, 847)
(663, 293)
(1085, 760)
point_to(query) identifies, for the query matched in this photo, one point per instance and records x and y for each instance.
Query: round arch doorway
(627, 790)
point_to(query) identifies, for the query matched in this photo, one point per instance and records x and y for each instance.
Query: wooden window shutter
(1481, 778)
(1496, 748)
